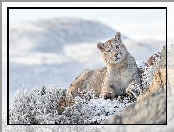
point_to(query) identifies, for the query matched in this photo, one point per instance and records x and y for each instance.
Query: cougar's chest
(117, 78)
(113, 79)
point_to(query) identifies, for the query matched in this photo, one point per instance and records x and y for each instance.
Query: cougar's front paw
(133, 90)
(109, 96)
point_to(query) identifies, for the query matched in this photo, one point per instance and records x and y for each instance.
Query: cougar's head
(113, 51)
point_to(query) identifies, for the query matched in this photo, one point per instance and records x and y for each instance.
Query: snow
(140, 63)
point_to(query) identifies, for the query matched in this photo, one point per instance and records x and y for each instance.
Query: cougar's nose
(115, 55)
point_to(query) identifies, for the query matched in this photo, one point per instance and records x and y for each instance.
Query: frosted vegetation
(53, 106)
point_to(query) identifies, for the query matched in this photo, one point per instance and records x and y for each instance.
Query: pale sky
(147, 23)
(135, 23)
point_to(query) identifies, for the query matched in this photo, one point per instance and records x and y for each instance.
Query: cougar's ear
(100, 46)
(118, 36)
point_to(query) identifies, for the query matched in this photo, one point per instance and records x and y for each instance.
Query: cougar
(119, 77)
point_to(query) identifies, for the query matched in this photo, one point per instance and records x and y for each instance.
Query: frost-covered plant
(148, 70)
(38, 106)
(54, 106)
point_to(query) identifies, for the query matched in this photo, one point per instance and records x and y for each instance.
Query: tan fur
(119, 77)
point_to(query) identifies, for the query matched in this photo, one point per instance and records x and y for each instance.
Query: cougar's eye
(117, 47)
(108, 51)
